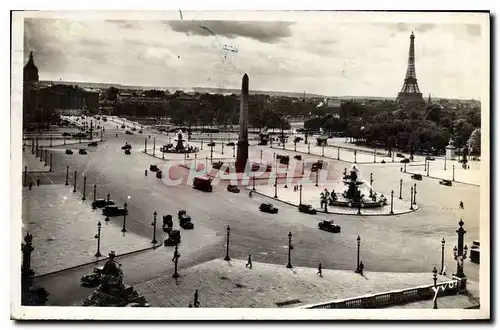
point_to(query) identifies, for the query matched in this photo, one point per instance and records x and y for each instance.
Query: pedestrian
(190, 305)
(30, 185)
(320, 272)
(116, 135)
(461, 204)
(361, 266)
(146, 172)
(401, 169)
(249, 263)
(196, 302)
(37, 182)
(250, 194)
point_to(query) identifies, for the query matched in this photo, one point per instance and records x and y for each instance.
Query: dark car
(114, 211)
(329, 226)
(140, 131)
(406, 160)
(134, 129)
(159, 174)
(126, 146)
(93, 144)
(211, 144)
(92, 280)
(167, 223)
(307, 208)
(417, 177)
(297, 157)
(217, 165)
(129, 133)
(153, 168)
(69, 152)
(233, 188)
(268, 208)
(174, 238)
(445, 182)
(66, 134)
(430, 158)
(123, 126)
(230, 144)
(127, 152)
(82, 152)
(184, 220)
(100, 203)
(400, 155)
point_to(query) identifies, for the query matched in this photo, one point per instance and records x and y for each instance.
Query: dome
(30, 72)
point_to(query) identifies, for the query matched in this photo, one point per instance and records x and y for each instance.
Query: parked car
(82, 152)
(329, 226)
(211, 144)
(406, 160)
(66, 134)
(93, 144)
(126, 146)
(114, 211)
(134, 129)
(430, 158)
(153, 168)
(69, 152)
(268, 208)
(233, 188)
(307, 208)
(123, 126)
(100, 203)
(445, 182)
(93, 279)
(159, 174)
(400, 155)
(382, 162)
(184, 220)
(168, 223)
(230, 144)
(298, 157)
(417, 177)
(203, 183)
(129, 133)
(174, 238)
(140, 131)
(127, 152)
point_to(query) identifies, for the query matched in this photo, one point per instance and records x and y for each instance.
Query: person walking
(320, 272)
(196, 302)
(146, 172)
(249, 263)
(361, 267)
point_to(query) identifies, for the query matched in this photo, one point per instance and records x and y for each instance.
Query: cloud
(267, 32)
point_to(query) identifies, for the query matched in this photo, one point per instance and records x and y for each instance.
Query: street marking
(48, 178)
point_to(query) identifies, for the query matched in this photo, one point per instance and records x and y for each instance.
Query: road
(406, 243)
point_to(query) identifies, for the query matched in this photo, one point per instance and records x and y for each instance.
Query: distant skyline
(319, 56)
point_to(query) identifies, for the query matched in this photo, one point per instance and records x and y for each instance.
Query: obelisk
(242, 155)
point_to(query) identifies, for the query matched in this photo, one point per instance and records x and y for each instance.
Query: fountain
(354, 194)
(178, 145)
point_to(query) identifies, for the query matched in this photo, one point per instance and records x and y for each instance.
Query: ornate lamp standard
(50, 157)
(276, 186)
(154, 241)
(445, 162)
(95, 193)
(434, 277)
(357, 259)
(300, 194)
(74, 186)
(175, 259)
(227, 258)
(253, 181)
(411, 198)
(25, 176)
(442, 257)
(98, 237)
(234, 148)
(124, 217)
(355, 153)
(84, 186)
(460, 253)
(453, 178)
(414, 193)
(154, 145)
(392, 202)
(289, 265)
(401, 189)
(145, 145)
(338, 153)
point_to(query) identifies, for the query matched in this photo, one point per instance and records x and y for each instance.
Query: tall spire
(429, 100)
(30, 72)
(410, 91)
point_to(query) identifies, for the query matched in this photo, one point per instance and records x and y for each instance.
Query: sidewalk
(436, 170)
(311, 195)
(232, 285)
(63, 228)
(32, 162)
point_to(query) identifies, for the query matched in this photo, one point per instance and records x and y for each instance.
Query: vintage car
(230, 144)
(129, 133)
(257, 166)
(159, 174)
(211, 144)
(297, 157)
(100, 203)
(329, 226)
(123, 126)
(127, 152)
(92, 144)
(233, 188)
(417, 177)
(114, 211)
(184, 220)
(140, 131)
(203, 183)
(217, 165)
(69, 152)
(382, 162)
(445, 182)
(174, 238)
(126, 146)
(66, 134)
(167, 223)
(93, 279)
(307, 208)
(400, 155)
(82, 152)
(430, 158)
(406, 160)
(268, 208)
(134, 129)
(153, 168)
(474, 252)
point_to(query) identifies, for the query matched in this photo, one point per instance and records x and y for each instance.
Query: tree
(474, 141)
(112, 93)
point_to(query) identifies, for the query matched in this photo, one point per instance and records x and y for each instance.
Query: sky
(322, 54)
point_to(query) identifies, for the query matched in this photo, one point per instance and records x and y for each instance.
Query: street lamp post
(371, 183)
(338, 153)
(107, 203)
(317, 176)
(175, 259)
(234, 149)
(453, 178)
(392, 201)
(276, 186)
(445, 162)
(400, 188)
(253, 181)
(50, 169)
(300, 194)
(124, 217)
(74, 186)
(45, 162)
(95, 193)
(289, 265)
(434, 277)
(98, 237)
(227, 258)
(211, 153)
(415, 194)
(84, 186)
(309, 147)
(154, 241)
(425, 165)
(428, 167)
(357, 259)
(460, 253)
(32, 146)
(50, 140)
(145, 145)
(154, 145)
(261, 155)
(101, 135)
(411, 198)
(222, 143)
(442, 257)
(25, 175)
(323, 150)
(355, 152)
(374, 156)
(67, 175)
(405, 166)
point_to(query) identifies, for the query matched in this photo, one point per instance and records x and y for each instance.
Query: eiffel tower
(409, 92)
